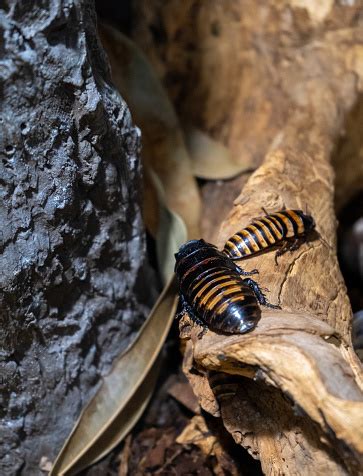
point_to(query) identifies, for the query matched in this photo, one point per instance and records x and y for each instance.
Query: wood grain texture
(304, 349)
(286, 79)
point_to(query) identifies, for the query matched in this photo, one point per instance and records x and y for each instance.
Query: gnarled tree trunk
(276, 82)
(72, 263)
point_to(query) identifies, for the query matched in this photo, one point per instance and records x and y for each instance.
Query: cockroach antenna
(323, 240)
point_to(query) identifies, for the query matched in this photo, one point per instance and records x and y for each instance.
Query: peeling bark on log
(289, 91)
(72, 261)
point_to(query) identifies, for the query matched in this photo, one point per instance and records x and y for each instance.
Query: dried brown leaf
(123, 393)
(197, 433)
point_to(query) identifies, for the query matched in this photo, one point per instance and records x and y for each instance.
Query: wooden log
(304, 349)
(287, 95)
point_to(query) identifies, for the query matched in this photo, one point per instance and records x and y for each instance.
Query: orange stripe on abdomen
(212, 284)
(230, 285)
(265, 228)
(245, 233)
(240, 243)
(298, 220)
(262, 243)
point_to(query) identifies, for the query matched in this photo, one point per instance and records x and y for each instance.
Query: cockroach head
(309, 222)
(191, 246)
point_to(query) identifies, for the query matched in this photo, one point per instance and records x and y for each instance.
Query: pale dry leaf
(122, 424)
(210, 159)
(120, 389)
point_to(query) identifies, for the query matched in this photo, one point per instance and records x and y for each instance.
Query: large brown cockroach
(213, 292)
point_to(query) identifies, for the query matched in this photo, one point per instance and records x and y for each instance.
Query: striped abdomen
(213, 288)
(267, 231)
(224, 386)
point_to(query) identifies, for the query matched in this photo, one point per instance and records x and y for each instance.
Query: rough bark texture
(279, 81)
(72, 263)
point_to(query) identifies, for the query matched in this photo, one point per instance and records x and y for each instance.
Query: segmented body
(213, 291)
(268, 231)
(224, 386)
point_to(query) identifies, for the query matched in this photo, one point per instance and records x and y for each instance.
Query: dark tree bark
(72, 262)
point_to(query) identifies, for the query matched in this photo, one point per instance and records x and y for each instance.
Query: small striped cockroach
(224, 386)
(213, 292)
(288, 228)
